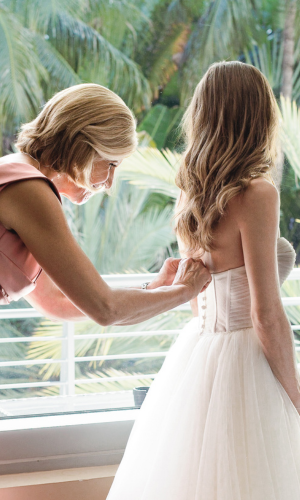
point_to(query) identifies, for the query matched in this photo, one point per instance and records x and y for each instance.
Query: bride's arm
(257, 215)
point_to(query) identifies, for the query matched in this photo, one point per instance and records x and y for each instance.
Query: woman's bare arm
(32, 210)
(257, 214)
(50, 301)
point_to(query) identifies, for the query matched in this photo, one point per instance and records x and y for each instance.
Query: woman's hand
(193, 274)
(166, 275)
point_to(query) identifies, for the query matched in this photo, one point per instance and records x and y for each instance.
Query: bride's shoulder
(259, 191)
(259, 184)
(259, 199)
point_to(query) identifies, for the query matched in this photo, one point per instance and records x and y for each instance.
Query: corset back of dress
(225, 306)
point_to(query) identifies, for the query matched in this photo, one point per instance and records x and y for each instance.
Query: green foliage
(162, 124)
(121, 233)
(223, 31)
(290, 133)
(268, 58)
(21, 71)
(290, 209)
(159, 43)
(47, 46)
(152, 169)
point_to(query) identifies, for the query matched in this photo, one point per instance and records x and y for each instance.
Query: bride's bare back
(229, 253)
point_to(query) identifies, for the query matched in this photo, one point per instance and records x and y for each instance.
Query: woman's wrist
(181, 289)
(151, 285)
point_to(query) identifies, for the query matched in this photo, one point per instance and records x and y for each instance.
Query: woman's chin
(85, 198)
(82, 198)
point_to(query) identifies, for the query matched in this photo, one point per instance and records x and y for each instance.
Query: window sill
(49, 443)
(57, 476)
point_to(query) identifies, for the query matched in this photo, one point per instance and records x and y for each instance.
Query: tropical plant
(149, 168)
(122, 233)
(268, 57)
(162, 124)
(49, 46)
(290, 133)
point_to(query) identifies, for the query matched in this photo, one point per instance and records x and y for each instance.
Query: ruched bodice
(225, 305)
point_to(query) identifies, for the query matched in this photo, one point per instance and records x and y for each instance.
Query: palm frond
(222, 32)
(268, 58)
(61, 74)
(162, 65)
(20, 90)
(118, 21)
(151, 169)
(162, 124)
(84, 48)
(290, 133)
(120, 233)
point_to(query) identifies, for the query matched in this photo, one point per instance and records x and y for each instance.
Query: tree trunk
(288, 49)
(287, 69)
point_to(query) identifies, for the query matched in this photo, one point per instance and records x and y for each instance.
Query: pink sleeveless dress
(19, 270)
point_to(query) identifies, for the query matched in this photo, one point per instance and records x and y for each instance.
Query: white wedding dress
(216, 423)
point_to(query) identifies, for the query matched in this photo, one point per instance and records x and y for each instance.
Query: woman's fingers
(166, 274)
(193, 274)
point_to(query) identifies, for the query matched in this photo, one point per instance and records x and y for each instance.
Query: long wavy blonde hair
(231, 129)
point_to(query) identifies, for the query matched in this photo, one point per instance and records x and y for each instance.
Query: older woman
(72, 149)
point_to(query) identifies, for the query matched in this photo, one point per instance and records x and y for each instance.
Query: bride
(221, 420)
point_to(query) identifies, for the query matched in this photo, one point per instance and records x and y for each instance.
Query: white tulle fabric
(216, 423)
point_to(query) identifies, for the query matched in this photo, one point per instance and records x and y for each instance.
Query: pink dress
(19, 270)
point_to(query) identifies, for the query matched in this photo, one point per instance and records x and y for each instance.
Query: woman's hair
(78, 126)
(231, 128)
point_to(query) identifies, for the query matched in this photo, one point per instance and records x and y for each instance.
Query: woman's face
(102, 175)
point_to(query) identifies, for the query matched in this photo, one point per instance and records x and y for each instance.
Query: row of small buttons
(203, 315)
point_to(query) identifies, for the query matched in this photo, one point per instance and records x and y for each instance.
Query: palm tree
(47, 46)
(289, 48)
(261, 33)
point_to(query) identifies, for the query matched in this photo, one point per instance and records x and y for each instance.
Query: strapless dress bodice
(225, 306)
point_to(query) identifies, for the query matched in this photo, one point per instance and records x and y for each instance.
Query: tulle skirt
(216, 425)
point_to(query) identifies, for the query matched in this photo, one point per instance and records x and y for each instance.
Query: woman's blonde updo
(231, 127)
(77, 126)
